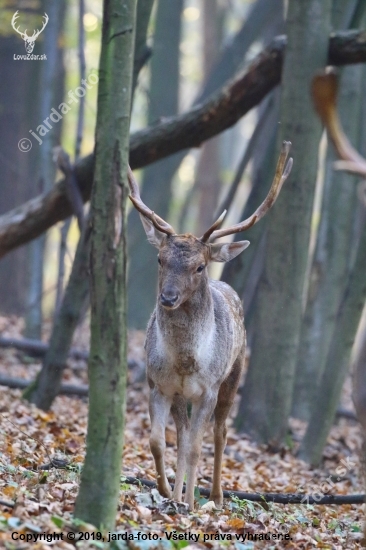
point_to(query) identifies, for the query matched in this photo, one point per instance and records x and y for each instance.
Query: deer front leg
(225, 400)
(179, 413)
(159, 407)
(201, 414)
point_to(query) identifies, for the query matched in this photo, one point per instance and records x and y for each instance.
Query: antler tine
(13, 22)
(324, 91)
(214, 226)
(282, 172)
(159, 223)
(45, 19)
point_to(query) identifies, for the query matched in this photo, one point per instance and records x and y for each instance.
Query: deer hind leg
(225, 400)
(179, 413)
(159, 407)
(201, 413)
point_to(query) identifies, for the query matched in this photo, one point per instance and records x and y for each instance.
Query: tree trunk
(331, 264)
(142, 51)
(164, 88)
(100, 481)
(327, 399)
(267, 394)
(45, 171)
(46, 387)
(208, 176)
(339, 353)
(236, 272)
(17, 115)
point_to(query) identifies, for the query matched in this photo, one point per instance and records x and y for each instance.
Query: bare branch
(190, 129)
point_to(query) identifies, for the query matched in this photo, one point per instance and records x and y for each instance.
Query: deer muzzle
(169, 297)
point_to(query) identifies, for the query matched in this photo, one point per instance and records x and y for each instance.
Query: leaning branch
(203, 121)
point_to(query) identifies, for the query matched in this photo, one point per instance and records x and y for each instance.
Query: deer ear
(227, 251)
(154, 236)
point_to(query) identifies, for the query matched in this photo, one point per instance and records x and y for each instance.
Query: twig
(279, 498)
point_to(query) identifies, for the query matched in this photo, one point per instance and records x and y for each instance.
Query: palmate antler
(324, 91)
(282, 172)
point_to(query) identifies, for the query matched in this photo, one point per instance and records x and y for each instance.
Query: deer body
(196, 345)
(195, 341)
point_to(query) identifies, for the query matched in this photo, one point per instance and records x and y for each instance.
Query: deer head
(29, 40)
(183, 258)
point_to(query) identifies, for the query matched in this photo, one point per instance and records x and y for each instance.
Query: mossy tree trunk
(100, 481)
(267, 394)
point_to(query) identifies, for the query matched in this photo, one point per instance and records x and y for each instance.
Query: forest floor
(44, 500)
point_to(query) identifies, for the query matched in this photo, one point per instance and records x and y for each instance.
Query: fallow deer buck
(195, 342)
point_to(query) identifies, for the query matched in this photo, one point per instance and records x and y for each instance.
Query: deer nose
(168, 298)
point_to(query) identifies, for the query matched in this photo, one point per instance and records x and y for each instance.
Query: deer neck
(185, 326)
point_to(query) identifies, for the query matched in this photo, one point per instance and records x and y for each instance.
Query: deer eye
(200, 268)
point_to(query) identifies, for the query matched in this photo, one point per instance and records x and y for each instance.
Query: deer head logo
(29, 40)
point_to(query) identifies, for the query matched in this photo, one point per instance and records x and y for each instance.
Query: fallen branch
(38, 349)
(66, 389)
(279, 498)
(216, 114)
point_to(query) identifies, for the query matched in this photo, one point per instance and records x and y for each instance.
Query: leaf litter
(44, 499)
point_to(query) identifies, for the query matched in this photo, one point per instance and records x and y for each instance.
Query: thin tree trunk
(348, 318)
(46, 386)
(236, 272)
(99, 489)
(267, 393)
(164, 90)
(142, 50)
(17, 115)
(79, 136)
(45, 174)
(208, 177)
(331, 264)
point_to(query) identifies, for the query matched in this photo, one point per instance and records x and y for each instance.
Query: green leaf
(197, 493)
(59, 522)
